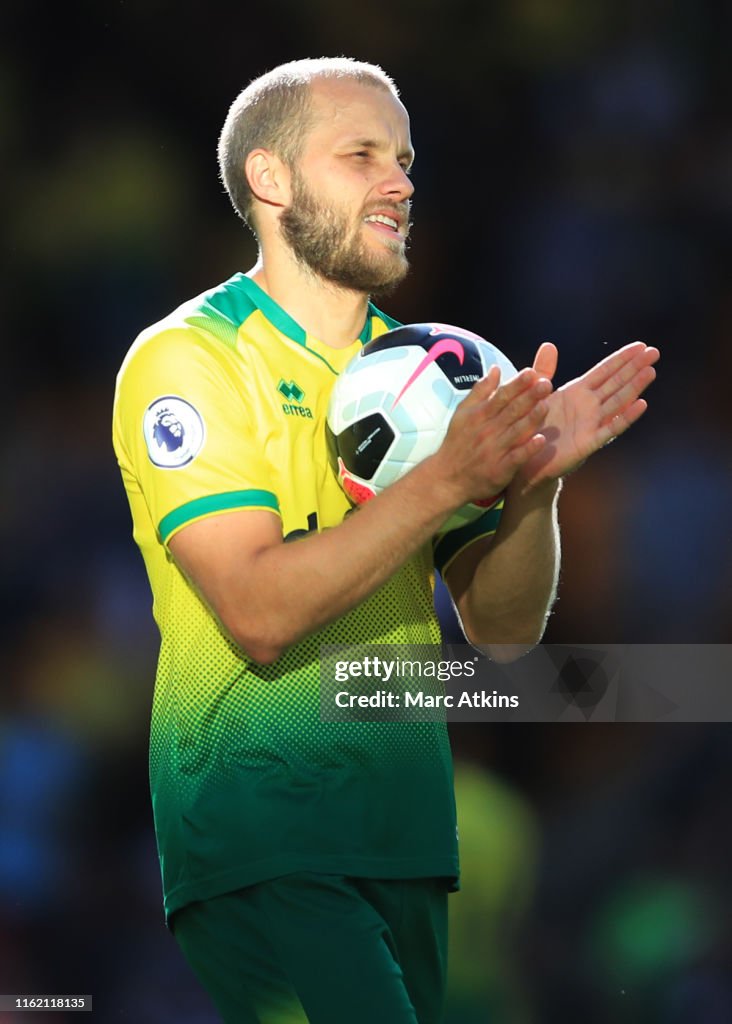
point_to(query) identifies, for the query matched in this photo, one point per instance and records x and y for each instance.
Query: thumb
(546, 359)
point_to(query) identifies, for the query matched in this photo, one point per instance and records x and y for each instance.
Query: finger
(620, 423)
(490, 397)
(519, 432)
(518, 386)
(546, 359)
(485, 387)
(502, 412)
(521, 453)
(505, 468)
(629, 416)
(613, 364)
(626, 393)
(626, 374)
(526, 414)
(499, 438)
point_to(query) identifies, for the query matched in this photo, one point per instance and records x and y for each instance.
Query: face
(348, 218)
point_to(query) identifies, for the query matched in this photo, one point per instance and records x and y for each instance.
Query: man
(305, 863)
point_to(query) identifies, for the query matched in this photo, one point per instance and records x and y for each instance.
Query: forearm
(269, 594)
(291, 590)
(514, 584)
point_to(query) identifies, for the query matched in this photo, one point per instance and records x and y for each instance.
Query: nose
(398, 185)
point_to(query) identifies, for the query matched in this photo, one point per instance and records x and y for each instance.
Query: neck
(332, 314)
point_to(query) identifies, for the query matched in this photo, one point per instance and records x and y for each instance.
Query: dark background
(573, 183)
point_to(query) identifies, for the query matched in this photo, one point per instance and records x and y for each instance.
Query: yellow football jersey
(222, 406)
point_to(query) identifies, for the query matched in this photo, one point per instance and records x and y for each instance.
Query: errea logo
(294, 395)
(291, 391)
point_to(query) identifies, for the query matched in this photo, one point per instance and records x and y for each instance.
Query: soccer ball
(391, 406)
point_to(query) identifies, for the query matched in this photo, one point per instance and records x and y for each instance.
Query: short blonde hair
(274, 112)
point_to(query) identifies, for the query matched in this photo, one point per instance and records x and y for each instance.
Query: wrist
(545, 492)
(443, 492)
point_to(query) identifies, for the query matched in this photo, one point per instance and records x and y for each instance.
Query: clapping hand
(590, 411)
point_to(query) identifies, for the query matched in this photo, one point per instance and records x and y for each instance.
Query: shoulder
(185, 366)
(205, 327)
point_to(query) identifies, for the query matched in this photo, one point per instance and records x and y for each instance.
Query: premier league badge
(174, 432)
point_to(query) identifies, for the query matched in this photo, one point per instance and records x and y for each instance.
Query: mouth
(386, 224)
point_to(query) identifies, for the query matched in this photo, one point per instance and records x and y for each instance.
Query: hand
(590, 411)
(494, 431)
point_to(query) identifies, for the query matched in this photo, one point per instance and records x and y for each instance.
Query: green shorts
(322, 949)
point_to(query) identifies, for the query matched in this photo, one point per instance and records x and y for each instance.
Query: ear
(268, 177)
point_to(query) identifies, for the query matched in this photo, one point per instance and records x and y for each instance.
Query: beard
(322, 238)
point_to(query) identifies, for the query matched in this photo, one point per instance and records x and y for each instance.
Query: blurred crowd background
(573, 183)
